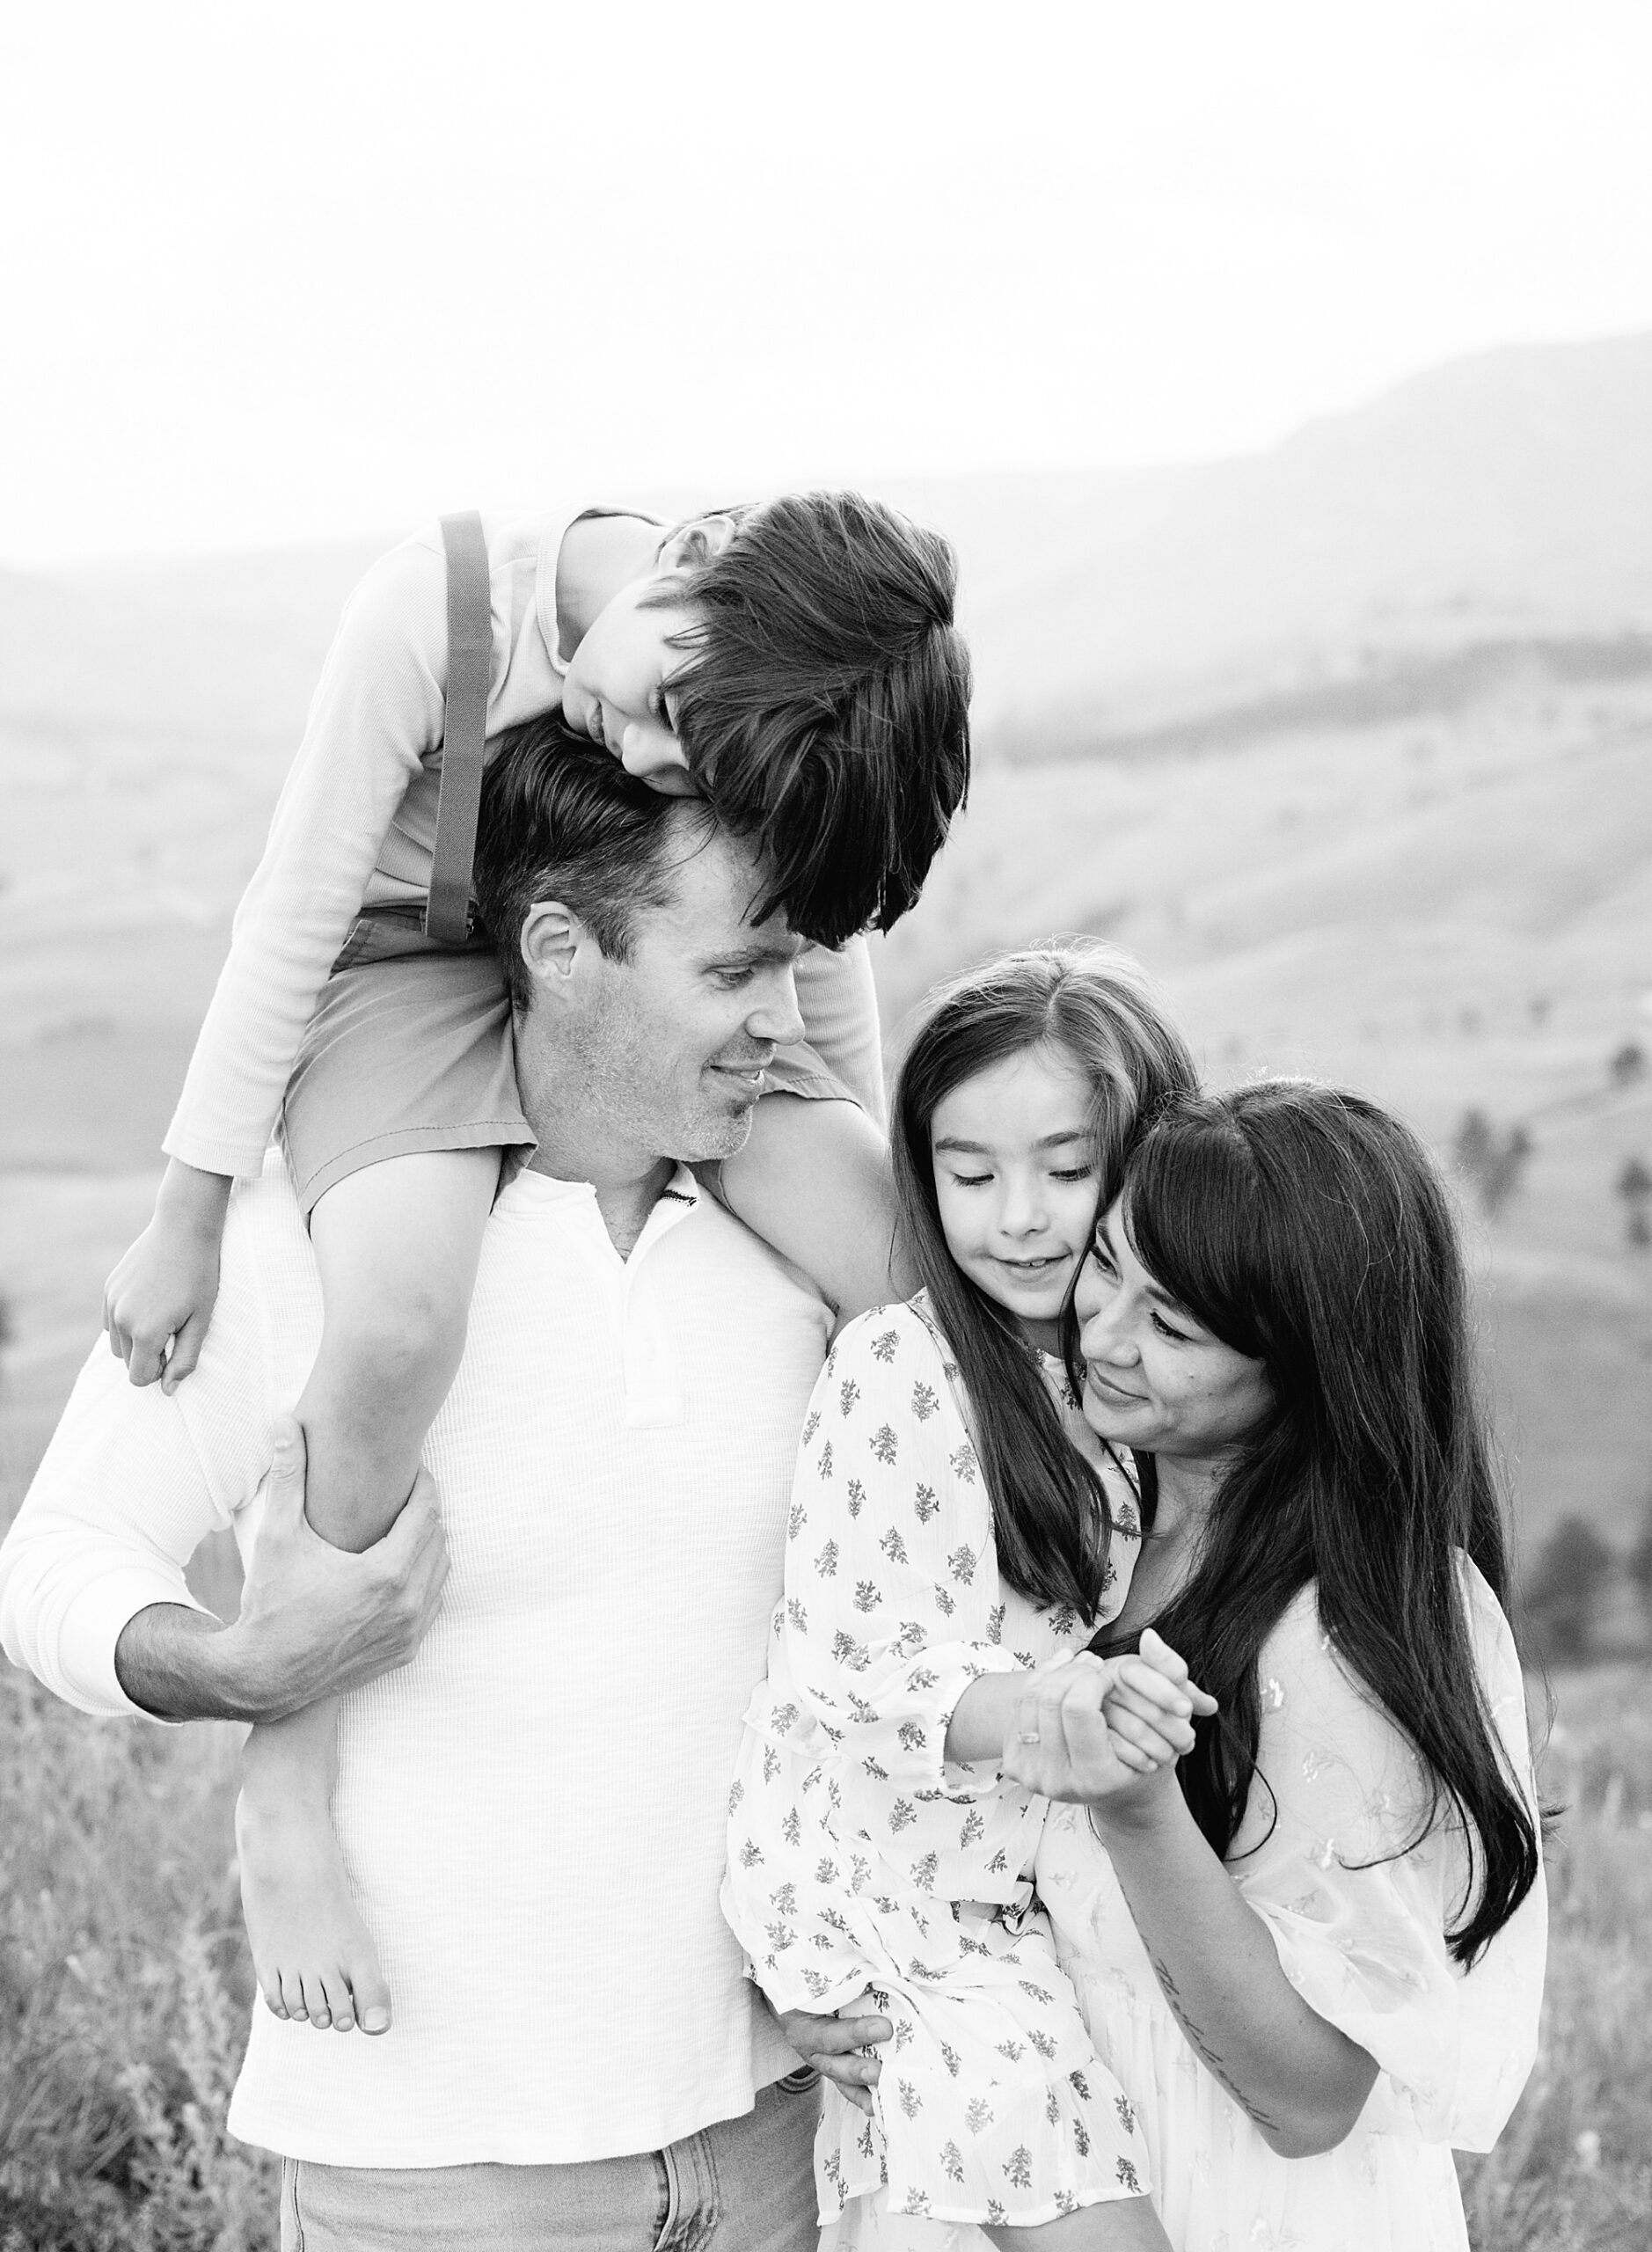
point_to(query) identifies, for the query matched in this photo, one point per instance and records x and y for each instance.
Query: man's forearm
(315, 1621)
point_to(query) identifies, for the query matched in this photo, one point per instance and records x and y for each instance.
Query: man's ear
(694, 543)
(552, 938)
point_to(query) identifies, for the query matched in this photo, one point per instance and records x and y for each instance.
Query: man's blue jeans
(744, 2185)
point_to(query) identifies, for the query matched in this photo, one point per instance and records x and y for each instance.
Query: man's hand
(315, 1620)
(834, 2046)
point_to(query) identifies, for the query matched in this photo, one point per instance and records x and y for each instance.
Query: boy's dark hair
(826, 703)
(561, 819)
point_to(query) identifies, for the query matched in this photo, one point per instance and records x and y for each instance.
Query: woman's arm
(1302, 2081)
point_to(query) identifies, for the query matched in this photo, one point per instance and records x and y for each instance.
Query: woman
(1314, 1958)
(1318, 1964)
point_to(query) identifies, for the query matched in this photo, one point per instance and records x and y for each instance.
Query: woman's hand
(1095, 1727)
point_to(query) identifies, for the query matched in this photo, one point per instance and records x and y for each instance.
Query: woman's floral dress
(860, 1858)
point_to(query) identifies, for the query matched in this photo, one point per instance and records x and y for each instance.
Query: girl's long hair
(1307, 1229)
(1091, 1003)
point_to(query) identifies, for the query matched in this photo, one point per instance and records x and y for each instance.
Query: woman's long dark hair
(1091, 1003)
(1308, 1229)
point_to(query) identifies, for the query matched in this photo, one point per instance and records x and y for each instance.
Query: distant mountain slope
(225, 651)
(1503, 500)
(1506, 494)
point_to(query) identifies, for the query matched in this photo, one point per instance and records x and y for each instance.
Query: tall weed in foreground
(123, 1989)
(1573, 2172)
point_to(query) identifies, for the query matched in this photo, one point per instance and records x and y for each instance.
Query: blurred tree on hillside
(1628, 1065)
(1640, 1564)
(1491, 1158)
(1564, 1588)
(1635, 1186)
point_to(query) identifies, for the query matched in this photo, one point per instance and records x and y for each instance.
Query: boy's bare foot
(311, 1949)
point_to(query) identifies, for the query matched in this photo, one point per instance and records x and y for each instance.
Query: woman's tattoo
(1202, 2047)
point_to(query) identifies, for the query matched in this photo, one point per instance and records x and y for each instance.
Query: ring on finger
(1030, 1736)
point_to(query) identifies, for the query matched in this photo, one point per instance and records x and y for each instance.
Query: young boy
(794, 661)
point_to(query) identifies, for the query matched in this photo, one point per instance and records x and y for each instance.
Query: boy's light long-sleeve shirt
(355, 825)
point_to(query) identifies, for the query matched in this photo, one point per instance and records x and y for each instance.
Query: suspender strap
(470, 656)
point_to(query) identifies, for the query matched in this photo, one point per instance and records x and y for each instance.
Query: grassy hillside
(1448, 912)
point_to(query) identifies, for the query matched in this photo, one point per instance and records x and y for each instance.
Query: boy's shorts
(410, 1049)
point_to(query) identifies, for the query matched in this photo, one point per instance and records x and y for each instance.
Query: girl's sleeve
(839, 1007)
(786, 1895)
(376, 715)
(892, 1603)
(1358, 1906)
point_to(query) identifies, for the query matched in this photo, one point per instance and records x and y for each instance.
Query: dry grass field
(1572, 2171)
(124, 1989)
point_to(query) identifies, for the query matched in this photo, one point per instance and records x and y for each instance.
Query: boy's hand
(164, 1286)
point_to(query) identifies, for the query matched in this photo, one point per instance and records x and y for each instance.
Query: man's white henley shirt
(533, 1811)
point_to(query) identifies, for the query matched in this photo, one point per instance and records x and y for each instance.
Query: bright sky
(272, 273)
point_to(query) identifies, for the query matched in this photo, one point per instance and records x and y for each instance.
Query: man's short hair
(561, 819)
(825, 705)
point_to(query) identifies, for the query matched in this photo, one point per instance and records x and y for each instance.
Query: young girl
(1316, 1966)
(794, 661)
(954, 1526)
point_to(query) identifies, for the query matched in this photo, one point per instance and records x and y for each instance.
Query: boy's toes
(315, 2005)
(340, 2010)
(294, 1997)
(289, 1986)
(372, 2000)
(269, 1985)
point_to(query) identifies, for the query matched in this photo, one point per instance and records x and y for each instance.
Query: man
(531, 1805)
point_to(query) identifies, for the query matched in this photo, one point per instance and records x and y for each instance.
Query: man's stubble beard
(613, 1062)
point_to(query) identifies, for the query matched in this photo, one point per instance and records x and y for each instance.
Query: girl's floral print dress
(860, 1858)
